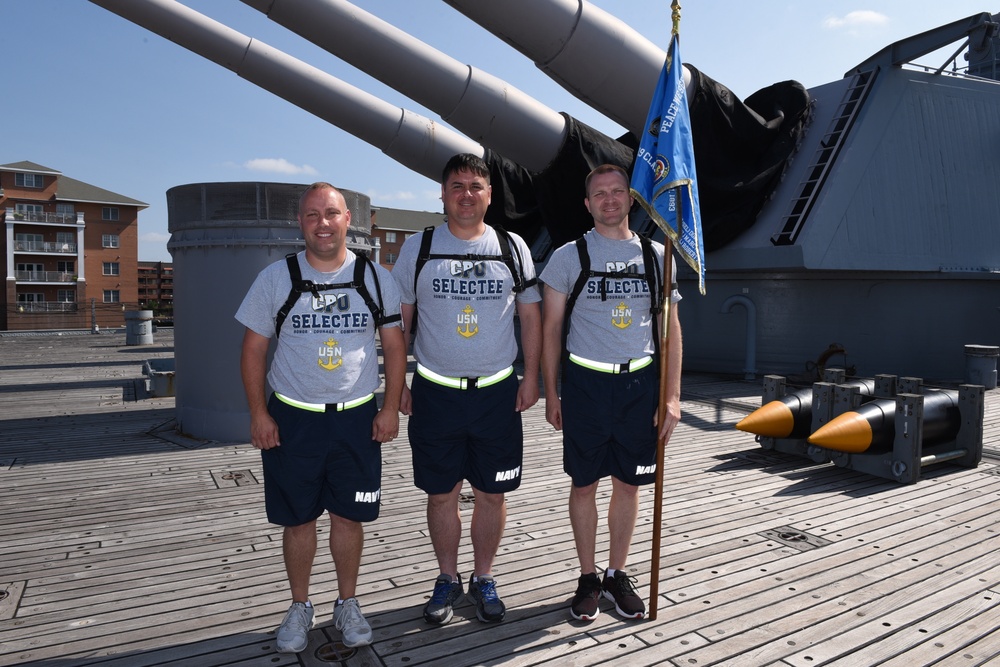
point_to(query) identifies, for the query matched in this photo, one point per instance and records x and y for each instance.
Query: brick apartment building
(70, 251)
(392, 226)
(156, 289)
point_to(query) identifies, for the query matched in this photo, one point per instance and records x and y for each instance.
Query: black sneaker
(446, 593)
(621, 589)
(588, 592)
(489, 606)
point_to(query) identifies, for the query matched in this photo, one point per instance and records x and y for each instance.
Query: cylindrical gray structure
(138, 327)
(221, 236)
(981, 365)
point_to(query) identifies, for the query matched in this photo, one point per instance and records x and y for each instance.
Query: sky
(109, 103)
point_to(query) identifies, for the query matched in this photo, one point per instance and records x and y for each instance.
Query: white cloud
(399, 195)
(859, 19)
(154, 237)
(278, 166)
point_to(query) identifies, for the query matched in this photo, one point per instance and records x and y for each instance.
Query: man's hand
(406, 401)
(385, 426)
(264, 432)
(673, 417)
(527, 395)
(553, 411)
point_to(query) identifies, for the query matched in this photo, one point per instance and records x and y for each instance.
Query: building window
(66, 296)
(109, 213)
(29, 242)
(66, 267)
(66, 212)
(390, 258)
(112, 296)
(111, 268)
(30, 298)
(390, 237)
(109, 240)
(29, 180)
(28, 212)
(30, 271)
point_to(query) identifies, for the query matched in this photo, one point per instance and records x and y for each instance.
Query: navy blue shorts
(327, 461)
(608, 424)
(472, 434)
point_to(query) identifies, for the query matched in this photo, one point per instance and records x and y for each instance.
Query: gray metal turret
(860, 224)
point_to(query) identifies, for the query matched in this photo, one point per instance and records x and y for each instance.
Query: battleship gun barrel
(414, 141)
(595, 56)
(482, 106)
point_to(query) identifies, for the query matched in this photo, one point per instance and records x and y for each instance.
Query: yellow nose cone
(773, 420)
(848, 432)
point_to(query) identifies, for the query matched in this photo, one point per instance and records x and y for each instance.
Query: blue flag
(664, 178)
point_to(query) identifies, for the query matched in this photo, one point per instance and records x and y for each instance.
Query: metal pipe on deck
(750, 364)
(414, 141)
(479, 104)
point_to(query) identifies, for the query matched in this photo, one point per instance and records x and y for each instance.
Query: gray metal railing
(44, 277)
(44, 246)
(46, 307)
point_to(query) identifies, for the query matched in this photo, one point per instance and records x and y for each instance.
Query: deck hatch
(795, 538)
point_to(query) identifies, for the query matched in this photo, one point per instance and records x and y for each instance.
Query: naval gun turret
(538, 156)
(845, 215)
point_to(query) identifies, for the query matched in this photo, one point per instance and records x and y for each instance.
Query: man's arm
(530, 315)
(385, 427)
(406, 311)
(253, 369)
(671, 393)
(553, 314)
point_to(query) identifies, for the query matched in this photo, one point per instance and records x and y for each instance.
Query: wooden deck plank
(127, 545)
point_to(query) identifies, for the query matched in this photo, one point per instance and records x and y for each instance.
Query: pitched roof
(31, 167)
(70, 189)
(395, 219)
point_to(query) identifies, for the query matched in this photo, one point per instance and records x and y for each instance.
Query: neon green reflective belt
(628, 367)
(464, 383)
(323, 407)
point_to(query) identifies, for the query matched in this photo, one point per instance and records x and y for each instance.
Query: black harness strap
(508, 250)
(651, 269)
(300, 286)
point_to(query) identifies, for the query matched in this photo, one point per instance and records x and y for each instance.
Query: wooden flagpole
(661, 443)
(661, 410)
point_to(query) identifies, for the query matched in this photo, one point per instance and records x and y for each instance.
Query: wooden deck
(125, 544)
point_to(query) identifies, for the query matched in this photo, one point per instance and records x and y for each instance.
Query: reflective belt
(464, 383)
(627, 367)
(323, 407)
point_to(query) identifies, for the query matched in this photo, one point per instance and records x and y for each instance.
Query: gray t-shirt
(620, 327)
(465, 324)
(326, 351)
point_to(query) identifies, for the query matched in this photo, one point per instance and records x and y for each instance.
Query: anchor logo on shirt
(621, 316)
(471, 322)
(328, 353)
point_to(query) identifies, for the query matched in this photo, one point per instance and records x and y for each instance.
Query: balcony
(45, 246)
(44, 277)
(46, 307)
(50, 218)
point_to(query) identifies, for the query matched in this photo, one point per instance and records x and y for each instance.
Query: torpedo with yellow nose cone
(791, 416)
(872, 426)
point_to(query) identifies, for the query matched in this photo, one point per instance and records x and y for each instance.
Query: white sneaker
(293, 635)
(348, 619)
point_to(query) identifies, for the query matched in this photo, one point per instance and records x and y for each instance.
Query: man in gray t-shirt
(465, 403)
(610, 383)
(319, 430)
